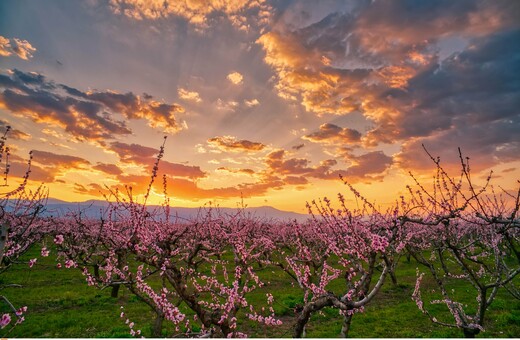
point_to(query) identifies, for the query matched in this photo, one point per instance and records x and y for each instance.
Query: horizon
(262, 102)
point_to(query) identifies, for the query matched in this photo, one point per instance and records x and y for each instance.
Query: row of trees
(212, 264)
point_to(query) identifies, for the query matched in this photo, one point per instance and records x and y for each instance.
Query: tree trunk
(393, 277)
(347, 320)
(157, 326)
(305, 315)
(470, 333)
(4, 231)
(115, 290)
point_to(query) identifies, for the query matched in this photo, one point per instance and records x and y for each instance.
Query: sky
(262, 102)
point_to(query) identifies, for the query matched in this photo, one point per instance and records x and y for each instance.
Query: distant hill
(95, 209)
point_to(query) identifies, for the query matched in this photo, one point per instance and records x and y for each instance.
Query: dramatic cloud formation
(84, 115)
(21, 48)
(281, 97)
(198, 13)
(230, 143)
(384, 60)
(363, 168)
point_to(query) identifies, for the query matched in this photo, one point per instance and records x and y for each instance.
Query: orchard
(221, 275)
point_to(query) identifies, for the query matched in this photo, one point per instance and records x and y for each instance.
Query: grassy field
(62, 305)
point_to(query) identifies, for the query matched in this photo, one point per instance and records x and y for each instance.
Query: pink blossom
(32, 262)
(45, 252)
(20, 320)
(5, 320)
(58, 239)
(21, 310)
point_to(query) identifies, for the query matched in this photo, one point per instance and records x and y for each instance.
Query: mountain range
(95, 209)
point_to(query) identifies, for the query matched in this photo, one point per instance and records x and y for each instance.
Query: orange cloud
(13, 133)
(158, 114)
(237, 171)
(46, 166)
(110, 169)
(181, 170)
(21, 48)
(50, 159)
(82, 114)
(363, 168)
(302, 73)
(189, 95)
(235, 77)
(135, 153)
(184, 188)
(143, 155)
(198, 13)
(332, 134)
(251, 103)
(230, 143)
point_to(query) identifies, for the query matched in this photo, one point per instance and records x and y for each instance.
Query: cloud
(184, 188)
(21, 48)
(366, 167)
(332, 134)
(110, 169)
(13, 133)
(230, 143)
(189, 95)
(198, 13)
(468, 101)
(84, 115)
(158, 114)
(46, 166)
(417, 72)
(237, 171)
(135, 153)
(18, 168)
(251, 103)
(302, 75)
(181, 170)
(235, 77)
(369, 165)
(226, 106)
(50, 159)
(143, 155)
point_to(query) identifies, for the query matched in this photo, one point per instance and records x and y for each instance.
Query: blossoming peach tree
(20, 229)
(459, 233)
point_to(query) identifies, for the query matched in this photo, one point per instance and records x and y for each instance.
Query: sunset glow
(263, 101)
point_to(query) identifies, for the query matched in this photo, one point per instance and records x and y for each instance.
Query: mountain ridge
(95, 208)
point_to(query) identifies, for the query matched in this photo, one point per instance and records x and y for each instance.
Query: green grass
(62, 305)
